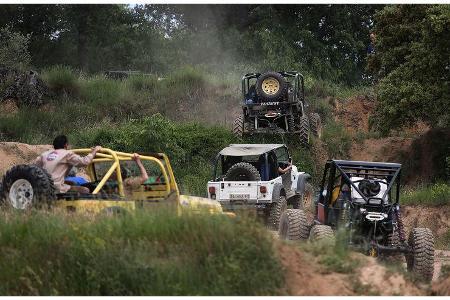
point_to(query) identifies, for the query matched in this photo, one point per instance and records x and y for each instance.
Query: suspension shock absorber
(401, 228)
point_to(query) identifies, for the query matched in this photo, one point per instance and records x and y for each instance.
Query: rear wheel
(303, 128)
(242, 172)
(293, 225)
(421, 259)
(238, 126)
(316, 124)
(28, 186)
(276, 210)
(321, 233)
(271, 86)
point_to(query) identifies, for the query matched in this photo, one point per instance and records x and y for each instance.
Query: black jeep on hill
(274, 102)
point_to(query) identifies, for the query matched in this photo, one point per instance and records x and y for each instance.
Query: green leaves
(413, 47)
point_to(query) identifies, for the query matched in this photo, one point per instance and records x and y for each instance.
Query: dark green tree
(412, 62)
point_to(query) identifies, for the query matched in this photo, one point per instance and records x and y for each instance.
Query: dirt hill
(18, 153)
(420, 149)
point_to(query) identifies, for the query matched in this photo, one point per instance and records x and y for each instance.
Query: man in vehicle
(131, 183)
(59, 162)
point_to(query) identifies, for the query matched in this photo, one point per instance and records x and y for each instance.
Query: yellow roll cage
(108, 155)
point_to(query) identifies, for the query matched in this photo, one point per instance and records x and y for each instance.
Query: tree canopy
(412, 63)
(327, 41)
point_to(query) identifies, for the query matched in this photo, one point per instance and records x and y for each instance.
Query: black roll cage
(389, 170)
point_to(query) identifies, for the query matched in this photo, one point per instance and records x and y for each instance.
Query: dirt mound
(18, 153)
(389, 149)
(422, 156)
(435, 218)
(354, 113)
(442, 288)
(305, 277)
(381, 281)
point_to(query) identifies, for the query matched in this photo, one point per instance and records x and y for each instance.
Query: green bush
(61, 79)
(434, 195)
(142, 253)
(143, 82)
(337, 140)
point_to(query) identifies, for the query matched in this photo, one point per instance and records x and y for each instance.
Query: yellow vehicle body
(163, 193)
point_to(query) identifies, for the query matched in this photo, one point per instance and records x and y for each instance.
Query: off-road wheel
(291, 124)
(315, 122)
(421, 260)
(242, 172)
(28, 186)
(276, 210)
(271, 86)
(293, 225)
(322, 233)
(238, 126)
(307, 203)
(303, 128)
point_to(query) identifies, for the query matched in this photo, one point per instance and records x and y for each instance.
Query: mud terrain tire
(293, 225)
(264, 79)
(316, 124)
(303, 128)
(276, 210)
(321, 233)
(307, 203)
(238, 126)
(421, 260)
(242, 172)
(32, 186)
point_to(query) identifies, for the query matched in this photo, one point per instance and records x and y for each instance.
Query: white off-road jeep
(248, 176)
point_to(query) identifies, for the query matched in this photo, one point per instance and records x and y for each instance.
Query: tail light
(263, 189)
(212, 190)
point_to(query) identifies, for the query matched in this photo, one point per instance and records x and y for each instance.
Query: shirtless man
(59, 161)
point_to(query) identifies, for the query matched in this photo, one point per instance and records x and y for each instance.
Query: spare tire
(271, 86)
(28, 186)
(242, 172)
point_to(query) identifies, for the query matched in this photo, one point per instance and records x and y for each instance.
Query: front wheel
(322, 233)
(276, 210)
(238, 126)
(28, 186)
(420, 260)
(303, 128)
(293, 225)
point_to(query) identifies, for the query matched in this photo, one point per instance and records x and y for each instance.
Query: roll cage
(368, 170)
(166, 187)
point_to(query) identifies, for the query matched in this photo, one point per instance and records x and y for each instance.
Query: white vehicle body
(243, 193)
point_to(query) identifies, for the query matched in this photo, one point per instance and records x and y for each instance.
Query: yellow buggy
(29, 186)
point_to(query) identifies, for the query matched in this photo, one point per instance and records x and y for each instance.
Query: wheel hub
(270, 86)
(21, 194)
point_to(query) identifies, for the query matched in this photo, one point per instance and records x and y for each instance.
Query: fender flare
(278, 190)
(301, 182)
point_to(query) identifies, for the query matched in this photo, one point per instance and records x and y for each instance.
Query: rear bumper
(231, 205)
